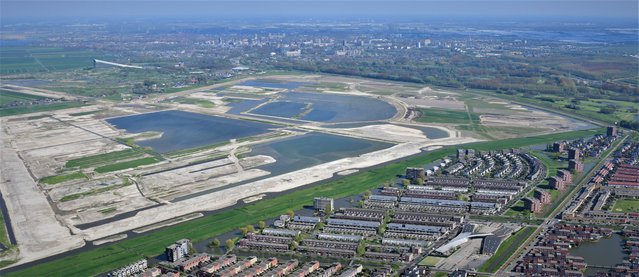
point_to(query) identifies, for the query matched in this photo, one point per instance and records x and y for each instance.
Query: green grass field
(106, 158)
(109, 257)
(430, 261)
(127, 164)
(506, 249)
(17, 60)
(8, 97)
(194, 101)
(52, 180)
(38, 108)
(447, 116)
(626, 206)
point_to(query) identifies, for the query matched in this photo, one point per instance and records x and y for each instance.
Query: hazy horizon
(525, 9)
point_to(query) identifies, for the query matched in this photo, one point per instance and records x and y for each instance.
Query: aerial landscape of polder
(319, 138)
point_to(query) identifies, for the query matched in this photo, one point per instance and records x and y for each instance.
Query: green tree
(243, 230)
(294, 245)
(250, 228)
(290, 213)
(405, 182)
(328, 210)
(361, 248)
(215, 243)
(229, 244)
(381, 229)
(261, 224)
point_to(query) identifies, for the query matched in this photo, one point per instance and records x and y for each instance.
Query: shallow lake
(239, 106)
(281, 109)
(330, 107)
(183, 130)
(312, 149)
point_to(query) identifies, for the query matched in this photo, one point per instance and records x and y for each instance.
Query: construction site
(91, 174)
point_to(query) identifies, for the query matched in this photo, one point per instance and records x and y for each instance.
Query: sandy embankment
(220, 199)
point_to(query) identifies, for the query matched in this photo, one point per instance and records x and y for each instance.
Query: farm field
(126, 165)
(17, 60)
(447, 116)
(52, 180)
(38, 108)
(7, 97)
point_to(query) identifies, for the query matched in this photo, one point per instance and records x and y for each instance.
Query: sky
(10, 9)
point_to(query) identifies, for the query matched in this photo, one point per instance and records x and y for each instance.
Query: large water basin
(312, 149)
(328, 107)
(183, 130)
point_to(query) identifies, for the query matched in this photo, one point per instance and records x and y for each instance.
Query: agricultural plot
(8, 97)
(52, 180)
(17, 60)
(101, 159)
(39, 108)
(447, 116)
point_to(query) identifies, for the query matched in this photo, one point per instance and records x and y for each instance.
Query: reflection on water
(312, 149)
(604, 252)
(183, 130)
(329, 107)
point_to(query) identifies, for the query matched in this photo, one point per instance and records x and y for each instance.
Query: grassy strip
(38, 108)
(94, 191)
(263, 137)
(108, 210)
(127, 164)
(38, 117)
(506, 249)
(4, 236)
(52, 180)
(90, 161)
(194, 101)
(84, 113)
(184, 152)
(109, 257)
(447, 116)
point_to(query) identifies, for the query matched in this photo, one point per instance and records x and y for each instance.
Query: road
(550, 219)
